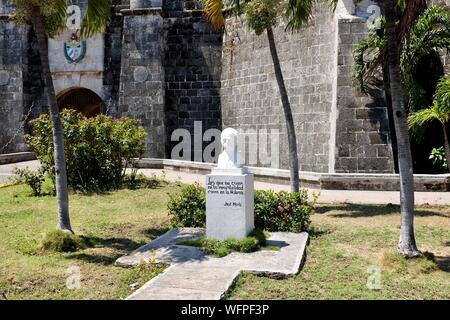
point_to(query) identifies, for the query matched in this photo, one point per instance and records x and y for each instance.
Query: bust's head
(229, 140)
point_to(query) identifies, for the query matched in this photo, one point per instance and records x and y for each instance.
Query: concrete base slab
(164, 249)
(196, 276)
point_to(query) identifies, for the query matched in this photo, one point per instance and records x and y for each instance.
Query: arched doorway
(81, 99)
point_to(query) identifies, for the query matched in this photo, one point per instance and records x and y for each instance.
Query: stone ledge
(141, 11)
(325, 181)
(16, 157)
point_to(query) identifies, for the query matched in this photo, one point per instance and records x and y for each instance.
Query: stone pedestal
(229, 204)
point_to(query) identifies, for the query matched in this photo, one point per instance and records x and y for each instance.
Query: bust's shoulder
(223, 155)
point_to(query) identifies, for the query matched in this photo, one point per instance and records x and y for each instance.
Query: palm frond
(298, 13)
(416, 95)
(366, 60)
(53, 12)
(96, 18)
(431, 32)
(418, 119)
(442, 95)
(212, 10)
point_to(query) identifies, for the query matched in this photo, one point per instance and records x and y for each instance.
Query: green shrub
(60, 241)
(188, 208)
(283, 211)
(438, 159)
(33, 179)
(98, 150)
(274, 211)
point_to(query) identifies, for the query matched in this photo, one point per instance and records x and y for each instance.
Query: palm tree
(49, 18)
(407, 243)
(440, 111)
(262, 16)
(428, 34)
(419, 32)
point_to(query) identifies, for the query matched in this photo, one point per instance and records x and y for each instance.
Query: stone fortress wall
(338, 130)
(164, 65)
(13, 67)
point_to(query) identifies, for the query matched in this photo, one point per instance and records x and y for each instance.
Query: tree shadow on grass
(443, 262)
(100, 259)
(153, 233)
(317, 232)
(353, 210)
(120, 247)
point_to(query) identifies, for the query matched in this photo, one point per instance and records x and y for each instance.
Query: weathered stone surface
(140, 74)
(139, 4)
(4, 78)
(250, 96)
(144, 100)
(16, 157)
(332, 120)
(362, 132)
(192, 74)
(208, 278)
(198, 75)
(13, 66)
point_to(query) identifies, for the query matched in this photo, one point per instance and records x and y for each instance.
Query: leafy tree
(262, 17)
(48, 18)
(439, 111)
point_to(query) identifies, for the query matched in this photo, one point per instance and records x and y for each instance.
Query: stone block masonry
(192, 73)
(142, 91)
(250, 94)
(13, 68)
(113, 62)
(338, 130)
(363, 141)
(170, 71)
(165, 66)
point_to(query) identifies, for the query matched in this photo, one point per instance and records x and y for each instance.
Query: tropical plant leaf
(96, 18)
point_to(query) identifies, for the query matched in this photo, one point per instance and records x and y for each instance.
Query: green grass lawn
(119, 222)
(346, 241)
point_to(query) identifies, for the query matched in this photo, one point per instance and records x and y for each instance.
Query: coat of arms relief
(75, 48)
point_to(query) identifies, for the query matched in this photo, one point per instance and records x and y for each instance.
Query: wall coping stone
(16, 157)
(326, 181)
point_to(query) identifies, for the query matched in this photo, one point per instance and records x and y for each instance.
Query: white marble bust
(229, 158)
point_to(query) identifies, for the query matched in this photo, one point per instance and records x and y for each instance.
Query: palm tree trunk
(292, 138)
(388, 98)
(447, 146)
(58, 133)
(407, 244)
